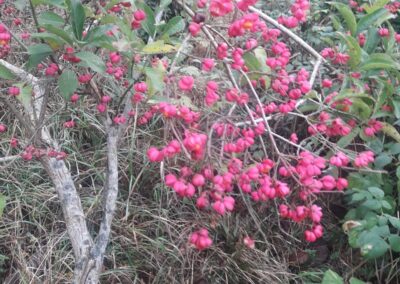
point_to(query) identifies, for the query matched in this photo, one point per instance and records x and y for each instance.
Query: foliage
(372, 223)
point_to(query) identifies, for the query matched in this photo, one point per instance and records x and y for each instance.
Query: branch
(61, 177)
(14, 36)
(8, 158)
(297, 39)
(72, 209)
(94, 265)
(37, 97)
(285, 30)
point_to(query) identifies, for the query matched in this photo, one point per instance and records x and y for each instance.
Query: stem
(14, 36)
(124, 95)
(285, 30)
(57, 170)
(38, 30)
(109, 204)
(34, 16)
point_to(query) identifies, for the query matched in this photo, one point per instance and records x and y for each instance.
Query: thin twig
(14, 36)
(285, 30)
(8, 158)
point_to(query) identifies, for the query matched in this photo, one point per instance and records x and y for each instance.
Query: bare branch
(8, 158)
(94, 264)
(285, 30)
(61, 177)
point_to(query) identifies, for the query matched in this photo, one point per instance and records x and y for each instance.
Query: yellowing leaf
(348, 225)
(159, 47)
(389, 130)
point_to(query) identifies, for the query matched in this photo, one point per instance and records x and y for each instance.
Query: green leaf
(385, 91)
(59, 32)
(347, 15)
(374, 19)
(353, 236)
(163, 4)
(5, 73)
(354, 49)
(261, 55)
(376, 146)
(394, 241)
(376, 192)
(252, 62)
(77, 17)
(355, 281)
(357, 197)
(254, 65)
(382, 160)
(346, 140)
(372, 41)
(20, 4)
(54, 41)
(99, 34)
(3, 200)
(155, 80)
(50, 18)
(382, 231)
(89, 13)
(331, 277)
(386, 205)
(158, 99)
(110, 4)
(391, 42)
(125, 28)
(56, 3)
(186, 101)
(394, 221)
(360, 109)
(190, 70)
(92, 61)
(396, 105)
(394, 149)
(67, 83)
(377, 5)
(351, 94)
(373, 247)
(37, 53)
(336, 23)
(25, 96)
(371, 219)
(175, 25)
(379, 61)
(149, 23)
(372, 204)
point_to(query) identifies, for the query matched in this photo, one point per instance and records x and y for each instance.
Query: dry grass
(151, 228)
(149, 238)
